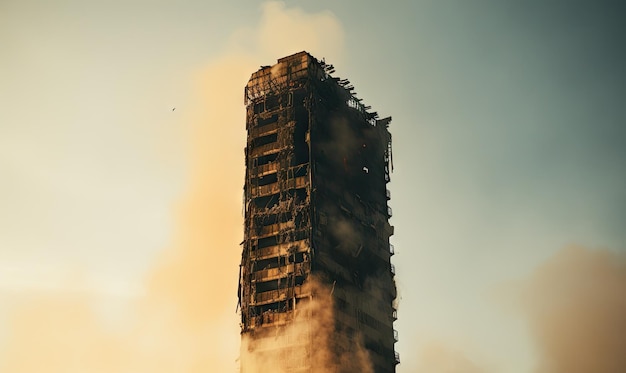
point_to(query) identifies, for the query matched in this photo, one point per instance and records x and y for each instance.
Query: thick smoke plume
(312, 341)
(185, 321)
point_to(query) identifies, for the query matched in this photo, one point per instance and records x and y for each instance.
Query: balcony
(280, 272)
(395, 335)
(265, 190)
(265, 169)
(281, 249)
(273, 229)
(394, 315)
(264, 130)
(298, 182)
(392, 250)
(278, 295)
(265, 149)
(396, 357)
(389, 212)
(270, 319)
(392, 268)
(274, 188)
(388, 194)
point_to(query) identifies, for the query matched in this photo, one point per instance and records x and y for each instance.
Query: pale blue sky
(509, 127)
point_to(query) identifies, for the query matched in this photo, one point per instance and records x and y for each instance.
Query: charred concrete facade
(316, 206)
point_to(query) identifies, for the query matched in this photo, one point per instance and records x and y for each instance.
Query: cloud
(186, 321)
(575, 305)
(574, 308)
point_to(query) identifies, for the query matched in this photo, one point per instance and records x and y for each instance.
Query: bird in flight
(173, 109)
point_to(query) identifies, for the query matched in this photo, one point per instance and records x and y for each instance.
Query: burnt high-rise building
(316, 211)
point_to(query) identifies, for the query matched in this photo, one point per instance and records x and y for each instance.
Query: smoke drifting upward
(311, 339)
(185, 321)
(576, 308)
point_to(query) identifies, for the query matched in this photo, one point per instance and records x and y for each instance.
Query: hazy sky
(509, 133)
